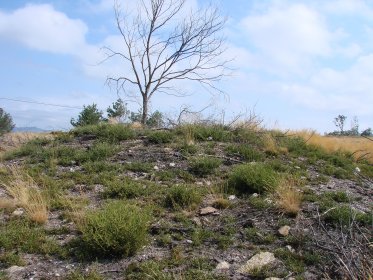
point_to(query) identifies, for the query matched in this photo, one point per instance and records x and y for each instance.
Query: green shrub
(106, 132)
(9, 259)
(344, 215)
(26, 237)
(250, 178)
(160, 137)
(124, 188)
(245, 151)
(339, 196)
(138, 166)
(116, 230)
(203, 132)
(182, 196)
(202, 166)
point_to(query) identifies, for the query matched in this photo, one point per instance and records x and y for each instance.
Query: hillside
(193, 202)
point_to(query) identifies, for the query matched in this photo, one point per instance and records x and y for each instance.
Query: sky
(296, 64)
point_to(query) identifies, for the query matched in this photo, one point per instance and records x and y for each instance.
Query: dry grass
(27, 195)
(6, 203)
(287, 197)
(13, 140)
(359, 146)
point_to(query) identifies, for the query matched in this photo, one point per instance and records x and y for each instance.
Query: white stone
(357, 169)
(257, 262)
(291, 249)
(284, 230)
(208, 210)
(255, 195)
(156, 167)
(18, 212)
(172, 164)
(223, 266)
(273, 278)
(231, 197)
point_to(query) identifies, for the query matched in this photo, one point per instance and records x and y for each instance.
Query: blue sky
(298, 63)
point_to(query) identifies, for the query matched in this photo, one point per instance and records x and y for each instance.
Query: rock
(273, 278)
(357, 169)
(18, 212)
(172, 164)
(268, 200)
(208, 210)
(255, 195)
(309, 276)
(232, 197)
(197, 221)
(257, 262)
(284, 230)
(209, 138)
(156, 168)
(189, 241)
(12, 272)
(223, 266)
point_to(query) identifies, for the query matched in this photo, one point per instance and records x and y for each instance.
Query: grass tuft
(27, 195)
(251, 178)
(288, 198)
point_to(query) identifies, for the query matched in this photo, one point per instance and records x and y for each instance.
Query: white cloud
(287, 37)
(348, 7)
(43, 28)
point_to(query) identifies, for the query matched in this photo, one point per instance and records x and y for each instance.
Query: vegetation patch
(182, 197)
(118, 229)
(202, 166)
(253, 178)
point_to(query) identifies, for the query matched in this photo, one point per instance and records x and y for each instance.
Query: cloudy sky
(298, 63)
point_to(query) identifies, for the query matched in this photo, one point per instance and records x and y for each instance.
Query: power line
(41, 103)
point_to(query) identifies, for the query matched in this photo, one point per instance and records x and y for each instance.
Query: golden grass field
(362, 148)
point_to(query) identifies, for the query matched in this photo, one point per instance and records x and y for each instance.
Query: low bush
(117, 230)
(124, 188)
(182, 196)
(202, 166)
(253, 178)
(245, 151)
(160, 137)
(106, 132)
(24, 236)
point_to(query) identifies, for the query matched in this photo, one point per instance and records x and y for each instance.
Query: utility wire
(41, 103)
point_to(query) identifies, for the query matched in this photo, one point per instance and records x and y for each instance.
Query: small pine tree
(118, 110)
(90, 115)
(6, 122)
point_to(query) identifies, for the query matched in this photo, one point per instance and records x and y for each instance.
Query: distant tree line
(340, 123)
(118, 113)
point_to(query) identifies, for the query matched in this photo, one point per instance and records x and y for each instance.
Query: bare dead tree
(160, 48)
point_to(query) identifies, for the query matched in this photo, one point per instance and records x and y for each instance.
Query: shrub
(125, 188)
(245, 151)
(160, 137)
(138, 166)
(106, 132)
(344, 215)
(21, 235)
(116, 230)
(204, 165)
(250, 178)
(182, 196)
(6, 122)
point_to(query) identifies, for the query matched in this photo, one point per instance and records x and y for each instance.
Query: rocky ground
(225, 235)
